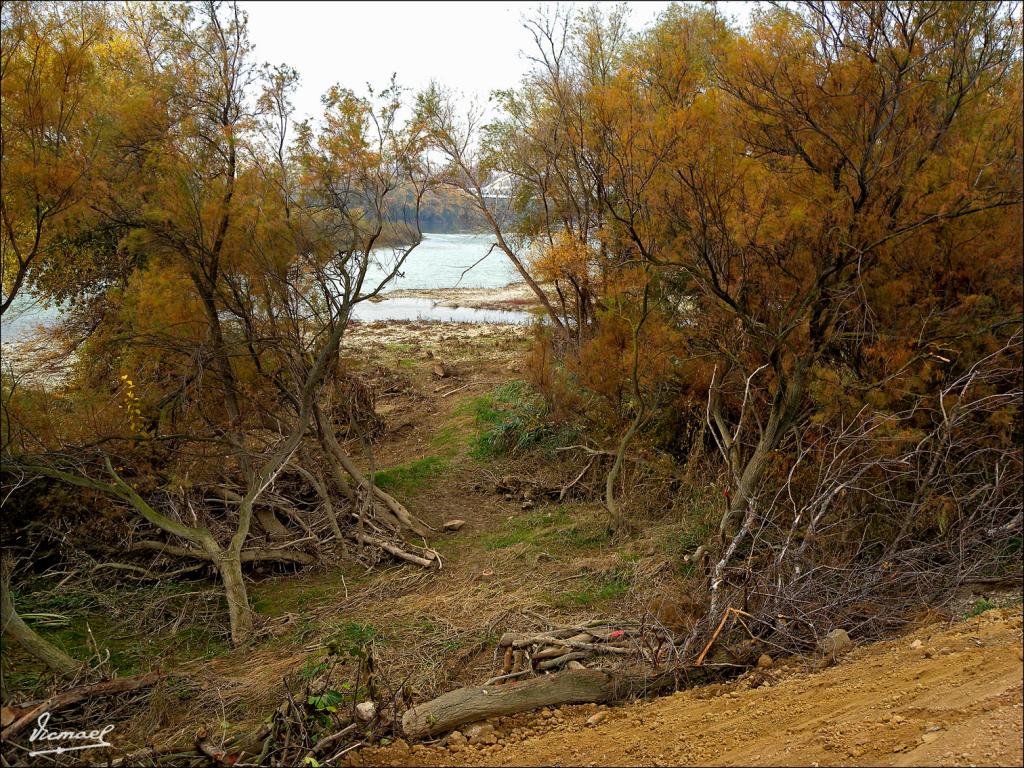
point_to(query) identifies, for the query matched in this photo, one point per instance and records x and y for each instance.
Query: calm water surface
(438, 262)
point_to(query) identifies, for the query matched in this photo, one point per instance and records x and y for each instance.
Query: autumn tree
(252, 243)
(54, 125)
(827, 206)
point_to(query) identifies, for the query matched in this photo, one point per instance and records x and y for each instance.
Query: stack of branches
(880, 517)
(320, 495)
(597, 642)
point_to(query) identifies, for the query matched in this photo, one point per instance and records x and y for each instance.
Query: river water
(440, 261)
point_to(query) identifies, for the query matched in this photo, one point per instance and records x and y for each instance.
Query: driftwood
(581, 686)
(81, 693)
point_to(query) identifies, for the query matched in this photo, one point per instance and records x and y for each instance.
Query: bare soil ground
(955, 698)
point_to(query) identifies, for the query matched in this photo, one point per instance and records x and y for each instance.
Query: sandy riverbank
(511, 297)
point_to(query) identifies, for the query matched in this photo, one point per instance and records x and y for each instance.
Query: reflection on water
(429, 311)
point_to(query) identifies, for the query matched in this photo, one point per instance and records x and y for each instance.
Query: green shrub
(980, 606)
(513, 417)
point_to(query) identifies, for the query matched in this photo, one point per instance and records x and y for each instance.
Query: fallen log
(580, 686)
(75, 695)
(430, 561)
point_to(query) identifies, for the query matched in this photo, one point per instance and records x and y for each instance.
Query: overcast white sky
(472, 47)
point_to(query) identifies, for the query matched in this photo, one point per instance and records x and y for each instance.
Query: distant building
(500, 187)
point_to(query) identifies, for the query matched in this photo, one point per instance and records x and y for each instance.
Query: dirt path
(953, 699)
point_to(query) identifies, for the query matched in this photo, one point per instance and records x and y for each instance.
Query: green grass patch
(279, 595)
(131, 649)
(351, 636)
(596, 590)
(407, 478)
(554, 529)
(591, 534)
(511, 418)
(448, 439)
(82, 623)
(533, 529)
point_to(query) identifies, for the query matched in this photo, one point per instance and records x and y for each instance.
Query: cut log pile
(546, 651)
(574, 647)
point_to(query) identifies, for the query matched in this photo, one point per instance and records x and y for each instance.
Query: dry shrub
(875, 516)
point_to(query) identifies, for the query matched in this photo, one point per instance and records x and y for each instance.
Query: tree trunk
(467, 705)
(613, 474)
(16, 629)
(239, 611)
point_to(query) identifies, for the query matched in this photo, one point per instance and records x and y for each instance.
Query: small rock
(574, 665)
(764, 661)
(596, 719)
(528, 504)
(366, 711)
(453, 525)
(898, 719)
(441, 370)
(835, 643)
(545, 713)
(916, 645)
(455, 737)
(478, 733)
(401, 745)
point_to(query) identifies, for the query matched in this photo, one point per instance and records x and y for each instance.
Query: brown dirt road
(953, 699)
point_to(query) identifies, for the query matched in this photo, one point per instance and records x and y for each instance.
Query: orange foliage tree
(828, 206)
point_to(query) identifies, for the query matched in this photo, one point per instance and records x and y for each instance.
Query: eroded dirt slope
(954, 698)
